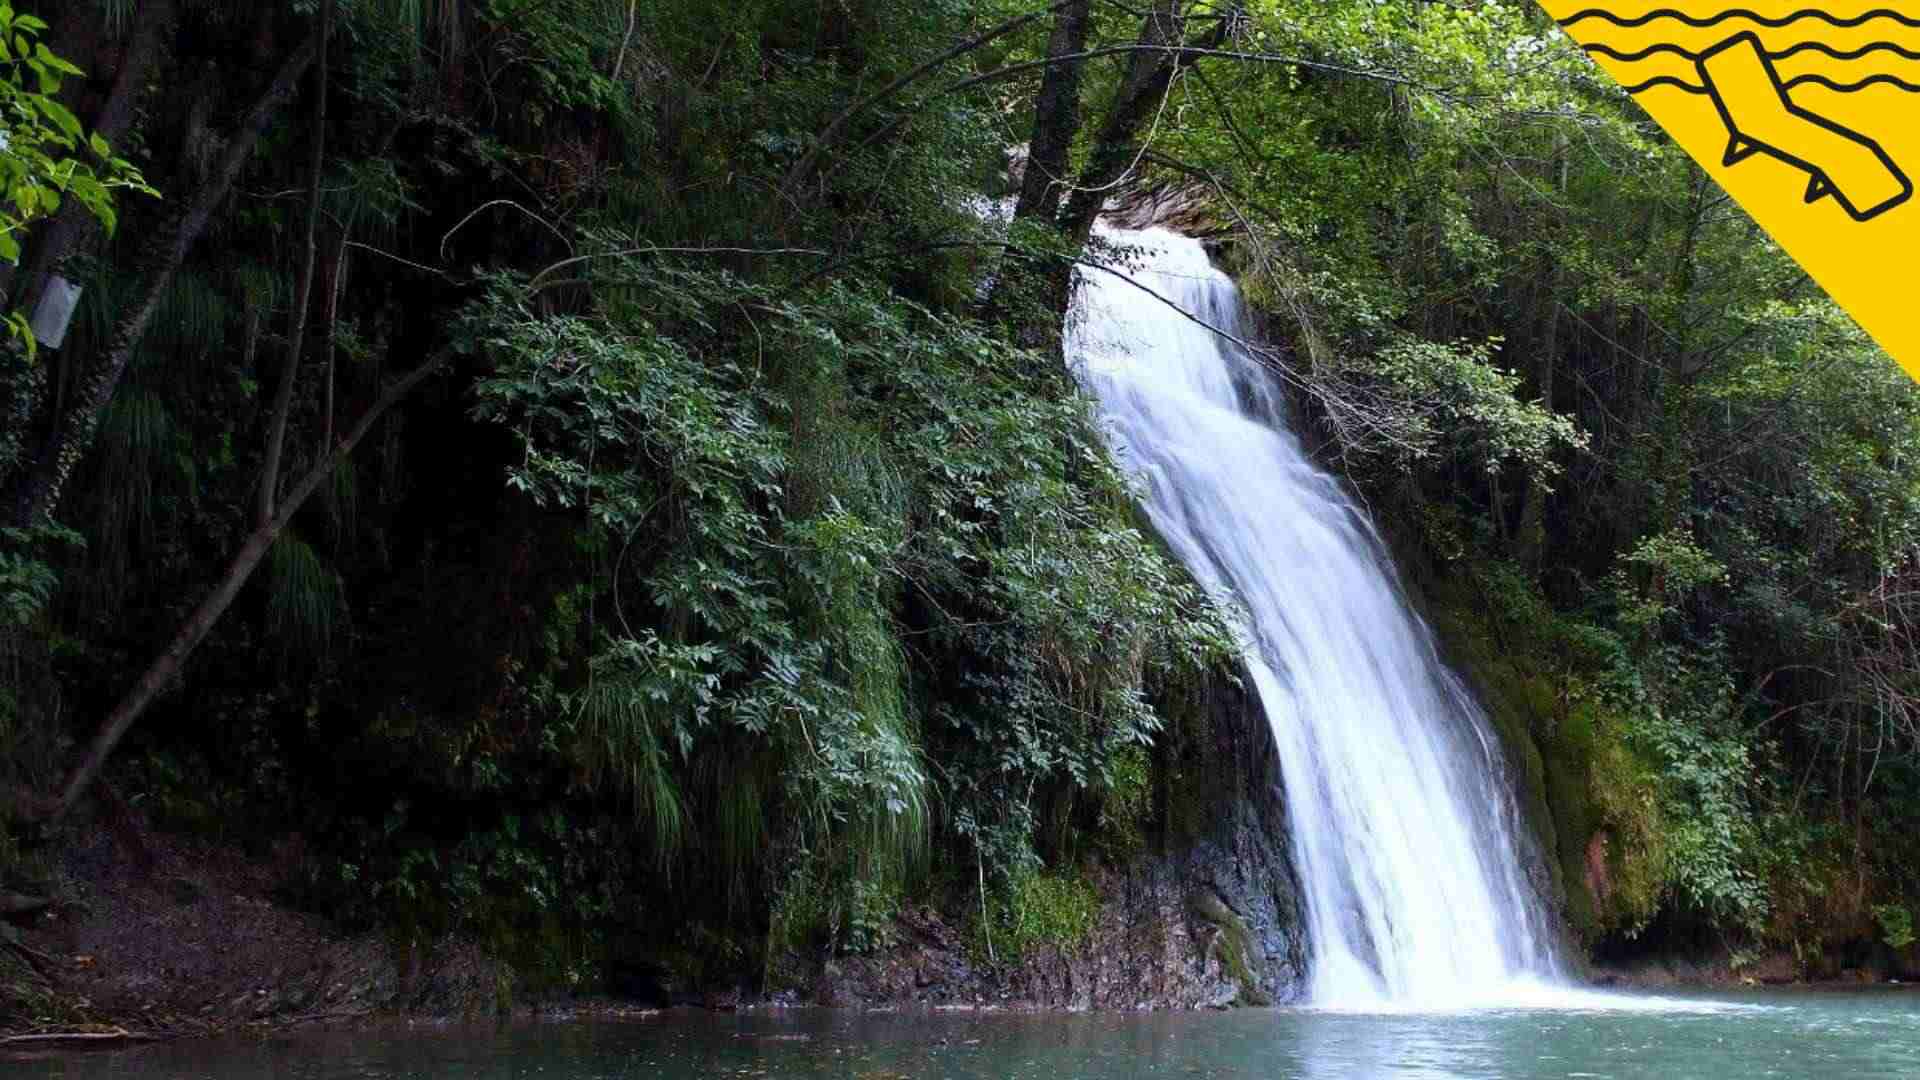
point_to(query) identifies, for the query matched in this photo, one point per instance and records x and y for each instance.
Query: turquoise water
(1825, 1034)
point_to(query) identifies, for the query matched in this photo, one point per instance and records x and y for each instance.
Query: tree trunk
(72, 226)
(1158, 57)
(1056, 116)
(1149, 75)
(1056, 121)
(39, 492)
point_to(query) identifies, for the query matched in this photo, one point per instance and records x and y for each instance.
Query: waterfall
(1404, 832)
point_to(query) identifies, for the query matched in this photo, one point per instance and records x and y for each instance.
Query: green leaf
(59, 114)
(46, 56)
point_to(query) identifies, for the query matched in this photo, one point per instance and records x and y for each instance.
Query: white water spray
(1403, 827)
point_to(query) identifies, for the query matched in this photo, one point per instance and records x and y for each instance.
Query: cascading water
(1403, 828)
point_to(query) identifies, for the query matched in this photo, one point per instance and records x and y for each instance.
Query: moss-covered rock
(1040, 910)
(1233, 944)
(1589, 798)
(1188, 900)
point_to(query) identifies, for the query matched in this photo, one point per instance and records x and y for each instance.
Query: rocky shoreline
(159, 935)
(186, 938)
(196, 948)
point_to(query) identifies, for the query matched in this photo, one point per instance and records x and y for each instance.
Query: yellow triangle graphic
(1809, 117)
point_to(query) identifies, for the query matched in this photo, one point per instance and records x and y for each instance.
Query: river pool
(1745, 1037)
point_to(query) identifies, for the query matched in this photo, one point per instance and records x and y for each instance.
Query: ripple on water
(1555, 1033)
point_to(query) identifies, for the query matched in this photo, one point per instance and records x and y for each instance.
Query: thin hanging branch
(303, 292)
(633, 17)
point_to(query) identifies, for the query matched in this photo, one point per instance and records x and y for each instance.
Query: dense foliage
(612, 488)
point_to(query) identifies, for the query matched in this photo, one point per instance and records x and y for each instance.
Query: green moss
(1515, 705)
(827, 909)
(1577, 776)
(1570, 802)
(1184, 759)
(1039, 910)
(1126, 805)
(503, 990)
(1518, 705)
(549, 956)
(1601, 788)
(1235, 945)
(1624, 786)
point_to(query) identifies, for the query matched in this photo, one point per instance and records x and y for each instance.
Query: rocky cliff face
(1207, 917)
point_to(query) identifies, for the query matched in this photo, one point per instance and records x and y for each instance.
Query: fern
(305, 599)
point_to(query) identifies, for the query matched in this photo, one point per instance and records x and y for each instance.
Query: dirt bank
(156, 935)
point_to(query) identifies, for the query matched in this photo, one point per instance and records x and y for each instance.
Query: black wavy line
(1805, 46)
(1848, 88)
(1666, 80)
(1799, 80)
(1740, 13)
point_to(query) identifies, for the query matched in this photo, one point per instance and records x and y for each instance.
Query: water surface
(1827, 1034)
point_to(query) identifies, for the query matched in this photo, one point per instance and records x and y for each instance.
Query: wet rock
(1233, 945)
(1208, 917)
(1775, 968)
(644, 982)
